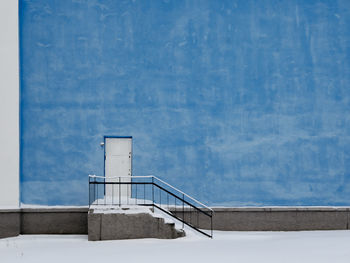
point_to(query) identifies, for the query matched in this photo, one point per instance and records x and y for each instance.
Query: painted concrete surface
(9, 104)
(233, 102)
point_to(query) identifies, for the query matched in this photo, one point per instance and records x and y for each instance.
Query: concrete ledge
(43, 221)
(275, 218)
(74, 220)
(54, 222)
(280, 220)
(10, 223)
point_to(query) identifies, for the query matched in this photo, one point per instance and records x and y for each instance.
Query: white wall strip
(9, 104)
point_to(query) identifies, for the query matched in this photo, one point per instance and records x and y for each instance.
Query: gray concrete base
(75, 220)
(10, 223)
(275, 219)
(114, 226)
(43, 221)
(54, 221)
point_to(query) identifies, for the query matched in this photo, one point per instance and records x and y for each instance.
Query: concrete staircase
(129, 223)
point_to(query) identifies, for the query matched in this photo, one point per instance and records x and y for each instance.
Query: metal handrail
(163, 187)
(155, 177)
(113, 177)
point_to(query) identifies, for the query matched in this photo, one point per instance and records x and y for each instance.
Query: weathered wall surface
(234, 102)
(9, 104)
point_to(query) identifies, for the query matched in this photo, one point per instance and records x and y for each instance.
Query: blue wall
(235, 102)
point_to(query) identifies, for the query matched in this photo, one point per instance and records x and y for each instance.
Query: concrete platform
(130, 223)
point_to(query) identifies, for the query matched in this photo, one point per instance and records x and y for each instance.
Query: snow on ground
(281, 247)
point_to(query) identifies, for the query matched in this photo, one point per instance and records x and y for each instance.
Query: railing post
(153, 192)
(183, 211)
(211, 223)
(89, 193)
(197, 219)
(136, 193)
(119, 193)
(97, 190)
(104, 193)
(112, 193)
(127, 194)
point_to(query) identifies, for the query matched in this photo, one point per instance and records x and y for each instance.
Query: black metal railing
(154, 192)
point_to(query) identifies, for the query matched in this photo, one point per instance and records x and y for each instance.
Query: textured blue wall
(235, 102)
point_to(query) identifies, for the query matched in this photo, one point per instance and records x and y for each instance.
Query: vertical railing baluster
(94, 189)
(119, 192)
(183, 211)
(104, 194)
(97, 194)
(211, 223)
(197, 219)
(136, 194)
(89, 192)
(153, 192)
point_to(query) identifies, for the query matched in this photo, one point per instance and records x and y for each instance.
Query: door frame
(104, 150)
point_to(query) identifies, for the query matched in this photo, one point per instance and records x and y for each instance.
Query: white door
(118, 167)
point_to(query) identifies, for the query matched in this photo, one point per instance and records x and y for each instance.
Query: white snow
(281, 247)
(123, 210)
(136, 210)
